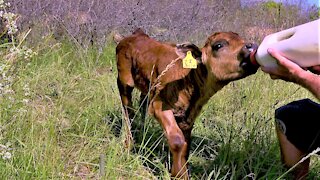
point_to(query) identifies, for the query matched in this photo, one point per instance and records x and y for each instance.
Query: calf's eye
(217, 46)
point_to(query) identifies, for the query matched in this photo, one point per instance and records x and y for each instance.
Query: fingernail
(270, 50)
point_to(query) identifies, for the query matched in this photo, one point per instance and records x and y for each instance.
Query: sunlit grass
(65, 113)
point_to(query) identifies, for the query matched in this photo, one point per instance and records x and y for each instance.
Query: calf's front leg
(176, 140)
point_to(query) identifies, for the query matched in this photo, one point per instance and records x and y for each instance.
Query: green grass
(65, 113)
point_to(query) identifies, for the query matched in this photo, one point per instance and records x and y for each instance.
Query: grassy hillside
(62, 119)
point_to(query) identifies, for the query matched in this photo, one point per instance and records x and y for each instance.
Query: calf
(177, 94)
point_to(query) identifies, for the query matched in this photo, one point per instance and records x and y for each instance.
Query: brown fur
(178, 95)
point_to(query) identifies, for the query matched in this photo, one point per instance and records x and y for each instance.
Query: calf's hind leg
(125, 91)
(143, 104)
(125, 81)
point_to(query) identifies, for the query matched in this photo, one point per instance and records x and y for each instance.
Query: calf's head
(225, 54)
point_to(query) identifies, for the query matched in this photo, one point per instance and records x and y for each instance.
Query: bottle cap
(253, 58)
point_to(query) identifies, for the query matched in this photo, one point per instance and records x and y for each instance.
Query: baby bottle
(299, 44)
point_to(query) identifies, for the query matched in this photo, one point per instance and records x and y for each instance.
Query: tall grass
(65, 113)
(61, 117)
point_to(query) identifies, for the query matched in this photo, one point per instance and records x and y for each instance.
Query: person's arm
(289, 71)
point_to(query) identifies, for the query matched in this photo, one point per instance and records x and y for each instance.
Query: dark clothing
(300, 122)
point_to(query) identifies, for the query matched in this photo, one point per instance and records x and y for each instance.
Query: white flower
(25, 101)
(6, 155)
(26, 90)
(13, 50)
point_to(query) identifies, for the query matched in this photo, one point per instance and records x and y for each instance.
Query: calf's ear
(182, 49)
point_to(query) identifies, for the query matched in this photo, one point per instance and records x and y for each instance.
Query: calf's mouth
(244, 55)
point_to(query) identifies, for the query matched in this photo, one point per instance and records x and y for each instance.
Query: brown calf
(177, 94)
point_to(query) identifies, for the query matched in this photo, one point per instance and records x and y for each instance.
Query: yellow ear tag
(189, 61)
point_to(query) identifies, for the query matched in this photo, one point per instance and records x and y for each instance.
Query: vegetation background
(60, 112)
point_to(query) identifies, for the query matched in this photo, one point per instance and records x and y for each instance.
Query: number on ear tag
(189, 61)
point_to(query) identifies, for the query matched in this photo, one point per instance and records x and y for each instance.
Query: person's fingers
(272, 76)
(315, 69)
(268, 69)
(265, 69)
(283, 61)
(276, 55)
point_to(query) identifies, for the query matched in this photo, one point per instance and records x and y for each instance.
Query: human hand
(286, 70)
(290, 71)
(315, 69)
